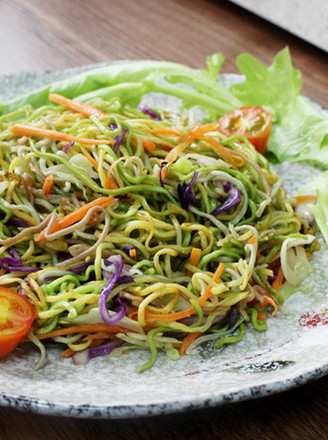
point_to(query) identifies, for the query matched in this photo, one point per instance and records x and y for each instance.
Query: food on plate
(128, 226)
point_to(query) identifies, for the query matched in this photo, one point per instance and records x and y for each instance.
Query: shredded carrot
(67, 353)
(203, 129)
(90, 158)
(176, 151)
(133, 254)
(79, 107)
(277, 282)
(84, 328)
(133, 315)
(165, 131)
(110, 184)
(47, 185)
(261, 316)
(195, 256)
(29, 130)
(151, 317)
(76, 215)
(173, 155)
(306, 199)
(148, 144)
(234, 159)
(187, 340)
(252, 240)
(269, 300)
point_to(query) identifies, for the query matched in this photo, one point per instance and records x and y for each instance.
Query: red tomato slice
(252, 122)
(16, 317)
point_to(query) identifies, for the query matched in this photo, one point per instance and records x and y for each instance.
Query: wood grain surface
(44, 35)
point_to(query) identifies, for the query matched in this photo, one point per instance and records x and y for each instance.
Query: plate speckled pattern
(285, 356)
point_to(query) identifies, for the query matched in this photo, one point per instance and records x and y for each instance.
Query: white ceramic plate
(287, 355)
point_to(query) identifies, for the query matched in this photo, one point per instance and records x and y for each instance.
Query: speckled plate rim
(61, 408)
(55, 408)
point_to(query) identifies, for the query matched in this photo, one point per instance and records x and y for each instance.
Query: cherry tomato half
(16, 317)
(252, 122)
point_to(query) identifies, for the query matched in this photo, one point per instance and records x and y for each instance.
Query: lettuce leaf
(319, 186)
(132, 80)
(300, 132)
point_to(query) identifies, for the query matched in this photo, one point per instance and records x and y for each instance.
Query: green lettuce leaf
(131, 81)
(300, 132)
(319, 186)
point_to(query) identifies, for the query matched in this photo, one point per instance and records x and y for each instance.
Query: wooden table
(41, 35)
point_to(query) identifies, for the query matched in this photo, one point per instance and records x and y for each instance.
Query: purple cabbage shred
(83, 357)
(80, 268)
(13, 263)
(233, 198)
(18, 223)
(149, 112)
(185, 194)
(117, 267)
(118, 138)
(67, 147)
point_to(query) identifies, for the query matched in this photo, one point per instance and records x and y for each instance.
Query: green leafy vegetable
(300, 132)
(130, 81)
(320, 210)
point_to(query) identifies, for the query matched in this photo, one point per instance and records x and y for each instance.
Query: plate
(292, 352)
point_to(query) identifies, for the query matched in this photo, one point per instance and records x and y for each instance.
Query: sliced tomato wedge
(16, 317)
(252, 122)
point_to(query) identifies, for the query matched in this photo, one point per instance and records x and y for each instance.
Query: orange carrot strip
(47, 186)
(269, 300)
(187, 340)
(76, 215)
(176, 151)
(110, 184)
(306, 199)
(133, 254)
(252, 240)
(151, 317)
(195, 256)
(91, 159)
(148, 144)
(165, 131)
(277, 282)
(29, 130)
(79, 107)
(174, 154)
(84, 328)
(133, 315)
(203, 129)
(261, 316)
(237, 161)
(67, 353)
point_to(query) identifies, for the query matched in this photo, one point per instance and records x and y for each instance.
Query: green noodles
(219, 196)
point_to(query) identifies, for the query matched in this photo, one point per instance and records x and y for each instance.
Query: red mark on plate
(312, 319)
